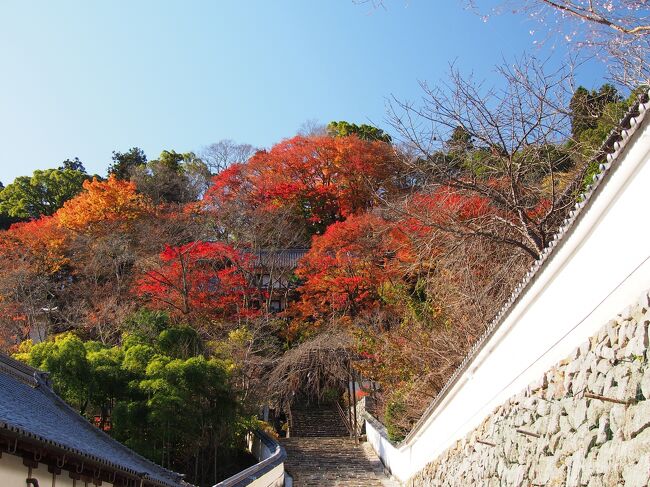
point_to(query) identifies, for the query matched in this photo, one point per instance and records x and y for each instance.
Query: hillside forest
(174, 297)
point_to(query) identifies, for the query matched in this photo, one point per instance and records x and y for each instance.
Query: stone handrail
(268, 472)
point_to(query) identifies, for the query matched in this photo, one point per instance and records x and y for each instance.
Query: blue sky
(81, 79)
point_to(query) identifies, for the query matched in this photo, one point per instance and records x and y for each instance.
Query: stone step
(320, 421)
(334, 462)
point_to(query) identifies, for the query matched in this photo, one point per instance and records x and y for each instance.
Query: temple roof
(30, 409)
(286, 259)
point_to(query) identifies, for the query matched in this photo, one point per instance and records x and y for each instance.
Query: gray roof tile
(286, 259)
(29, 407)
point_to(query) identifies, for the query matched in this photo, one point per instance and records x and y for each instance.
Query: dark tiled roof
(28, 407)
(278, 258)
(21, 371)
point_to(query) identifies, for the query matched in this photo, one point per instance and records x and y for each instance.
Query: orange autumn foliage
(322, 179)
(103, 202)
(34, 257)
(40, 242)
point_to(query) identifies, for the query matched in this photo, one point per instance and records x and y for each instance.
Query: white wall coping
(268, 472)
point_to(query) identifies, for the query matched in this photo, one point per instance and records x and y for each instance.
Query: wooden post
(484, 442)
(354, 405)
(349, 389)
(529, 433)
(625, 402)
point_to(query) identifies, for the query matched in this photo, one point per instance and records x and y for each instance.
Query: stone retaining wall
(557, 432)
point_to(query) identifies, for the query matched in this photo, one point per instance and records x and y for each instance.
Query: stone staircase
(316, 421)
(334, 462)
(321, 453)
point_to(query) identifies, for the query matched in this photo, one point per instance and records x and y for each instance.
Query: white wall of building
(12, 470)
(601, 266)
(14, 474)
(64, 480)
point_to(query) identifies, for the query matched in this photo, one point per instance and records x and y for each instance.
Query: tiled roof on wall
(609, 152)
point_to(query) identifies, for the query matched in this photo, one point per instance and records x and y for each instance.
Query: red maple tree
(200, 280)
(322, 179)
(346, 268)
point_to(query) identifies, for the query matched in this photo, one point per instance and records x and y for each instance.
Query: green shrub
(394, 415)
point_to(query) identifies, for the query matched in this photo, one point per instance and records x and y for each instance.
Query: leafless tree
(501, 144)
(312, 127)
(29, 295)
(311, 368)
(461, 282)
(628, 17)
(616, 31)
(222, 154)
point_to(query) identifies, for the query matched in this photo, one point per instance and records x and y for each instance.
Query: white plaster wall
(64, 480)
(41, 474)
(601, 267)
(12, 471)
(13, 474)
(272, 478)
